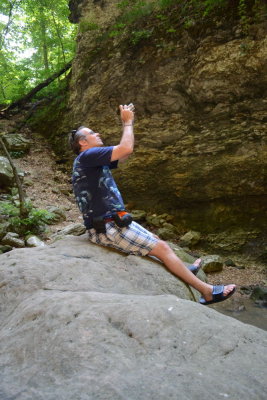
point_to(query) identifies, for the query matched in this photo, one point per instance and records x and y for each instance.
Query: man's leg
(176, 266)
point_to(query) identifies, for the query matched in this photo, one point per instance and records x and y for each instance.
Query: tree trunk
(6, 29)
(59, 36)
(21, 102)
(44, 42)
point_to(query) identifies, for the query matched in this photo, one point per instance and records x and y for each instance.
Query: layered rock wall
(200, 95)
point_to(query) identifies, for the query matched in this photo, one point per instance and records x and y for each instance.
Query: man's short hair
(74, 138)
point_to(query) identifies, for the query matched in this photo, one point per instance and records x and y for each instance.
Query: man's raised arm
(125, 148)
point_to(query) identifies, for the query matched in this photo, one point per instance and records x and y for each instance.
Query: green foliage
(9, 209)
(123, 4)
(117, 29)
(32, 223)
(135, 10)
(17, 154)
(86, 26)
(137, 36)
(36, 40)
(172, 14)
(166, 3)
(210, 5)
(242, 9)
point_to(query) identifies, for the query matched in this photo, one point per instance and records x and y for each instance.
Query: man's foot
(195, 267)
(217, 293)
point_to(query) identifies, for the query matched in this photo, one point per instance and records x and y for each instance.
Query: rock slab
(85, 323)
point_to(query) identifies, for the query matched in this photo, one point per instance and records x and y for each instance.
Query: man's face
(92, 139)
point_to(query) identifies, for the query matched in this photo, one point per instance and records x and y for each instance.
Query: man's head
(83, 139)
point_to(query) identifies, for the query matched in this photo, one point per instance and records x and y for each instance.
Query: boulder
(138, 215)
(181, 253)
(73, 229)
(59, 214)
(83, 322)
(167, 232)
(4, 228)
(212, 263)
(15, 142)
(12, 239)
(4, 248)
(190, 238)
(259, 294)
(6, 173)
(34, 241)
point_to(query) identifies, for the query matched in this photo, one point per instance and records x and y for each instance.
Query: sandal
(217, 295)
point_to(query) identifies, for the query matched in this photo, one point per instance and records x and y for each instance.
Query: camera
(129, 105)
(123, 221)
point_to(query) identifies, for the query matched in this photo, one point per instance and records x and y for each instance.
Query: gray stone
(4, 228)
(212, 263)
(59, 214)
(259, 293)
(138, 215)
(73, 229)
(167, 232)
(6, 173)
(181, 253)
(83, 322)
(17, 142)
(12, 239)
(229, 263)
(190, 238)
(34, 241)
(4, 249)
(155, 220)
(13, 234)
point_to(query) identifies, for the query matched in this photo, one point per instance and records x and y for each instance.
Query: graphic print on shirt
(95, 189)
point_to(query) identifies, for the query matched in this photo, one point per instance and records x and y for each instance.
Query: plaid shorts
(133, 239)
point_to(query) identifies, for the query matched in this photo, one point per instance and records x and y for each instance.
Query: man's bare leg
(177, 267)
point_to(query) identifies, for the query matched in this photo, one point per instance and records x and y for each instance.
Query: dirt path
(44, 183)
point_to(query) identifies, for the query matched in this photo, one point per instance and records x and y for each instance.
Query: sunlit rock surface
(82, 322)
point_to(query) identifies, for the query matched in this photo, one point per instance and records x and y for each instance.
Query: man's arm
(125, 148)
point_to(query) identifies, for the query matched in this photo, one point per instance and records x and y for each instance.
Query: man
(103, 209)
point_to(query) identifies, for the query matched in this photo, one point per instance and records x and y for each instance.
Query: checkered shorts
(133, 239)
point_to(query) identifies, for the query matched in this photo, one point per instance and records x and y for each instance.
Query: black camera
(123, 221)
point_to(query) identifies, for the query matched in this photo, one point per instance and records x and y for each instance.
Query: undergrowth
(32, 224)
(169, 15)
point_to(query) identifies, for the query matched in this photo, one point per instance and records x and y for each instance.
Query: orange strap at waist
(121, 213)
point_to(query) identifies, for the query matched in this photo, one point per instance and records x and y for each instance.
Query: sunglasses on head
(74, 131)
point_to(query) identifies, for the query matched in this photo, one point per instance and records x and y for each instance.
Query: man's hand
(125, 147)
(127, 114)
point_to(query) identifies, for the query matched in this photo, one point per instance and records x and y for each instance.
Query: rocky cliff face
(200, 93)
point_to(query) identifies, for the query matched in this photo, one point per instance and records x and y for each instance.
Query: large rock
(6, 173)
(212, 263)
(16, 142)
(76, 229)
(12, 239)
(59, 214)
(85, 323)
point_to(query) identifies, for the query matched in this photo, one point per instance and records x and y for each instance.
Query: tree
(36, 41)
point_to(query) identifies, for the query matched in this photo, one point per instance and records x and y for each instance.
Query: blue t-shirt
(94, 187)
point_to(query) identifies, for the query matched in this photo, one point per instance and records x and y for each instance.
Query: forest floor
(46, 185)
